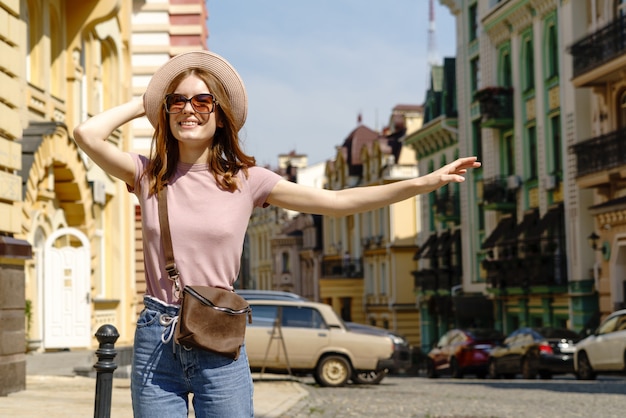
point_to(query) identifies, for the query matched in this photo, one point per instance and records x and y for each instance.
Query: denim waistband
(155, 304)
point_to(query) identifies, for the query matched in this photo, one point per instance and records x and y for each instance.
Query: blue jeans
(164, 374)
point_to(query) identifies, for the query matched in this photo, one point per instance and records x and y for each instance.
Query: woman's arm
(91, 136)
(344, 202)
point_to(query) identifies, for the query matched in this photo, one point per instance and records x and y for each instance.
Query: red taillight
(545, 349)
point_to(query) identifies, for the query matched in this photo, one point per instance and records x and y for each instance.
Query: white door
(67, 305)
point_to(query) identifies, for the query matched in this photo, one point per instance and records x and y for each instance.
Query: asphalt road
(423, 397)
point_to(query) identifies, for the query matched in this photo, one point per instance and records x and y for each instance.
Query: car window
(608, 326)
(456, 339)
(443, 341)
(302, 317)
(512, 338)
(263, 315)
(621, 323)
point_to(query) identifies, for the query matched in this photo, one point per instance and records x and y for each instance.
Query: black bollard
(106, 336)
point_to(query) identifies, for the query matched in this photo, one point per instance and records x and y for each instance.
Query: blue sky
(311, 67)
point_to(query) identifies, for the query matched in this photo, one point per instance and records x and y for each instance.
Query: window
(346, 309)
(532, 152)
(383, 279)
(552, 52)
(622, 110)
(369, 279)
(286, 268)
(620, 6)
(506, 73)
(301, 317)
(473, 21)
(555, 129)
(475, 74)
(608, 326)
(263, 315)
(508, 154)
(528, 60)
(478, 138)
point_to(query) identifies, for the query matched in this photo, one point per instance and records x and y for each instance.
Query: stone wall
(13, 253)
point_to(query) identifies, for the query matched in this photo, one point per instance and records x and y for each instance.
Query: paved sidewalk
(53, 391)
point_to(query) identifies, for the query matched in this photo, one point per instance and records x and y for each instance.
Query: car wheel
(333, 371)
(528, 371)
(585, 371)
(455, 370)
(369, 378)
(431, 373)
(492, 370)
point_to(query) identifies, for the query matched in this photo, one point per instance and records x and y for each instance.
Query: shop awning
(430, 242)
(505, 229)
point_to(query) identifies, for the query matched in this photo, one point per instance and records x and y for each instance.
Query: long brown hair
(225, 159)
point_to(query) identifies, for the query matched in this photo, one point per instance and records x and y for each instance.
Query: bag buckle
(174, 275)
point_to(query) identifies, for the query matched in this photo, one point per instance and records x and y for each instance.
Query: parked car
(462, 351)
(534, 351)
(256, 294)
(604, 351)
(401, 347)
(304, 337)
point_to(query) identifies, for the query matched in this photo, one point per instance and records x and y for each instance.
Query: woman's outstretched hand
(451, 173)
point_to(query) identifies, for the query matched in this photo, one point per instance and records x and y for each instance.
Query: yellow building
(368, 257)
(68, 63)
(61, 63)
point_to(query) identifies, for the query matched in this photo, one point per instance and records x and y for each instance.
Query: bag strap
(166, 241)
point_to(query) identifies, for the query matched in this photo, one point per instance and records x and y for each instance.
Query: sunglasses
(201, 103)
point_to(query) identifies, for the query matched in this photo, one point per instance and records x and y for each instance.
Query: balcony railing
(496, 106)
(601, 153)
(600, 47)
(346, 267)
(437, 279)
(447, 206)
(499, 193)
(548, 268)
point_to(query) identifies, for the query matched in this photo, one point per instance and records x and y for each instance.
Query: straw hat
(209, 61)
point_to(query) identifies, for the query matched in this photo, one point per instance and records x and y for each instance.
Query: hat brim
(205, 60)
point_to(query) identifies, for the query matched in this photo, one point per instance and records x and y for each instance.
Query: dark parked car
(460, 352)
(401, 349)
(534, 351)
(255, 294)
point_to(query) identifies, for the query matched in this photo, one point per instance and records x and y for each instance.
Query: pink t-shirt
(207, 225)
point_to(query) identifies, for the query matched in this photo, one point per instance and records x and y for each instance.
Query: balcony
(426, 280)
(598, 49)
(496, 107)
(499, 193)
(436, 279)
(347, 267)
(601, 154)
(447, 206)
(546, 267)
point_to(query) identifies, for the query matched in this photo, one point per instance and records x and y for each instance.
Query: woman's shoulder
(258, 171)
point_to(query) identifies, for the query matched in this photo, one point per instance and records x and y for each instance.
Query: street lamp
(592, 239)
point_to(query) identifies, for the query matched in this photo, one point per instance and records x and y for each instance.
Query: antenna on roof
(433, 57)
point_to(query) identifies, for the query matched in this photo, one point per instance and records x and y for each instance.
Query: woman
(197, 104)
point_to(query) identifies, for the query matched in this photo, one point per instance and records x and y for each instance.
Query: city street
(422, 397)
